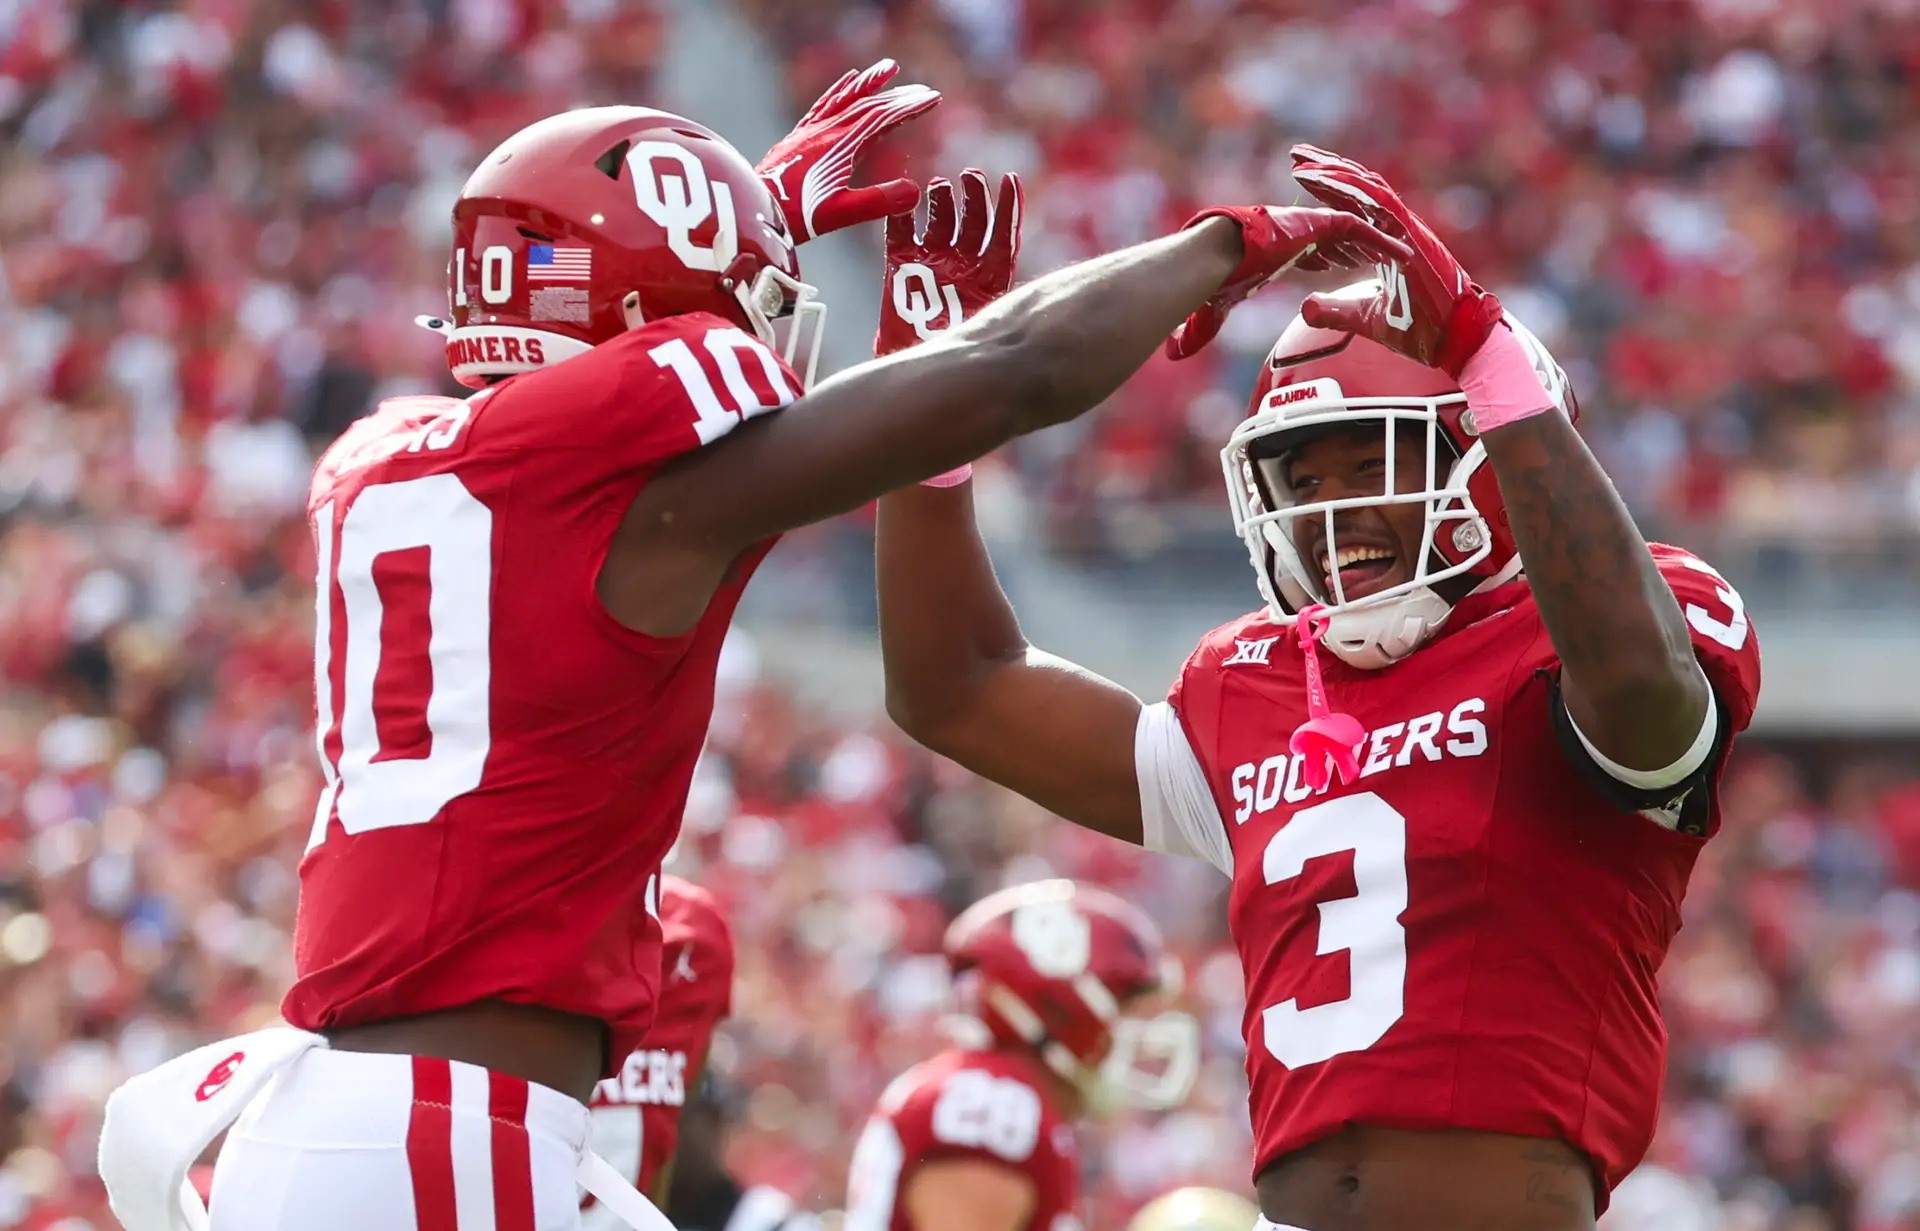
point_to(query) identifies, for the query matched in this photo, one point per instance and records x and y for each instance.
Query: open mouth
(1362, 570)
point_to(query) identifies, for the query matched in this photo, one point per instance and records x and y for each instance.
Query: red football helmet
(1052, 966)
(591, 222)
(1320, 380)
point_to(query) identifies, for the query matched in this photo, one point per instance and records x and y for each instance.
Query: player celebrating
(980, 1138)
(636, 1113)
(1451, 949)
(521, 601)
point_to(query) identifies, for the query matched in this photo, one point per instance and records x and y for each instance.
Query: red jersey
(636, 1112)
(506, 764)
(964, 1104)
(1468, 934)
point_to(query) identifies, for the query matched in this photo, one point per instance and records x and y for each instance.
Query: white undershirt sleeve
(1177, 812)
(1657, 779)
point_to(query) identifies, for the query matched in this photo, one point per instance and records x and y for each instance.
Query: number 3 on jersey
(1365, 926)
(448, 697)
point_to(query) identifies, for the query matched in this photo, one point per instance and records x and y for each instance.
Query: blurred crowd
(218, 214)
(1710, 210)
(216, 217)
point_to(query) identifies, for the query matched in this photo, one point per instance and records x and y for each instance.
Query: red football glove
(1277, 240)
(964, 262)
(810, 168)
(1427, 307)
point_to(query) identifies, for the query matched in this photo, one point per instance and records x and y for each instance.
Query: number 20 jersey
(505, 764)
(1467, 935)
(986, 1106)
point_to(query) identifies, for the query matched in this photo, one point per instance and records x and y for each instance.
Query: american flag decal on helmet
(549, 263)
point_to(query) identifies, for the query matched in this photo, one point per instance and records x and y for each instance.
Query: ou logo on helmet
(917, 296)
(1055, 937)
(671, 186)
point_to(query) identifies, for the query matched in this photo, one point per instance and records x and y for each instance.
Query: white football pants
(352, 1141)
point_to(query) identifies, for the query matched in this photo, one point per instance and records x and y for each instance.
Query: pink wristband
(953, 478)
(1501, 384)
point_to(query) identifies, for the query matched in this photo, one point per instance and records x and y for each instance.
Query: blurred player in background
(704, 1196)
(522, 596)
(1452, 1020)
(1196, 1209)
(637, 1112)
(980, 1138)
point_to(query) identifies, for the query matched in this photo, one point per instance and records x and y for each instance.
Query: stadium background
(217, 218)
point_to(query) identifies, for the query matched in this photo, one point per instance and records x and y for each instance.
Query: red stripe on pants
(430, 1146)
(512, 1154)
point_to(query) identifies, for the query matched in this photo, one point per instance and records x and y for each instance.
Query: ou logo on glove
(917, 296)
(1399, 297)
(679, 197)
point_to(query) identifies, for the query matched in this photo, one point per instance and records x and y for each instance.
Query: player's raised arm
(1630, 682)
(1040, 356)
(961, 678)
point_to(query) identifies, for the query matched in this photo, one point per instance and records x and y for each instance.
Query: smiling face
(1374, 546)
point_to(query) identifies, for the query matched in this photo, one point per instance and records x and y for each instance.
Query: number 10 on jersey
(449, 693)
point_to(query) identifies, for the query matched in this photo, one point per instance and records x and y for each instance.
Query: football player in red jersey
(636, 1112)
(521, 600)
(980, 1138)
(1459, 800)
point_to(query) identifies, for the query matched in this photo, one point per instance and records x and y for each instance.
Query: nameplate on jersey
(656, 1078)
(1278, 781)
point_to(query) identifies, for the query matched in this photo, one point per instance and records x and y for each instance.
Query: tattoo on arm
(1606, 607)
(1562, 1181)
(1551, 1188)
(1585, 557)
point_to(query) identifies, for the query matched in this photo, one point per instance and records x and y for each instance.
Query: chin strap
(1326, 741)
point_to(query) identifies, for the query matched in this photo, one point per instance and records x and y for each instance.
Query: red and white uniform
(506, 765)
(1468, 935)
(636, 1112)
(355, 1139)
(988, 1105)
(505, 768)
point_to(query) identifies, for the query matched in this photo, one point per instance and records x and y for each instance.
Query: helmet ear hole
(630, 310)
(609, 163)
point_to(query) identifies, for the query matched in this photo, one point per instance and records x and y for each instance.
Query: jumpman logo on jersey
(683, 969)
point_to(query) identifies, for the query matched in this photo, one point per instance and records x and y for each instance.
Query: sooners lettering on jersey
(505, 765)
(636, 1112)
(964, 1104)
(1467, 935)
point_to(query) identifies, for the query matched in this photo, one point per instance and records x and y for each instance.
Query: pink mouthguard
(1326, 741)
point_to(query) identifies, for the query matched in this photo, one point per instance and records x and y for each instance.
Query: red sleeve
(1729, 654)
(695, 378)
(1723, 633)
(696, 975)
(652, 393)
(1195, 694)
